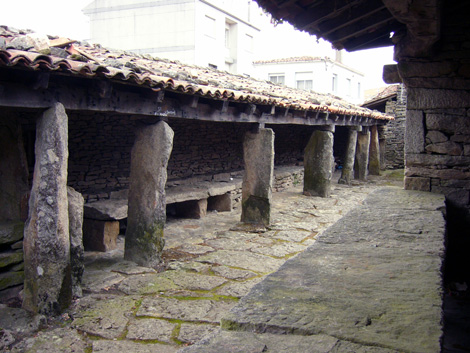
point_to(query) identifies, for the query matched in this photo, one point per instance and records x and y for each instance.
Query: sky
(65, 18)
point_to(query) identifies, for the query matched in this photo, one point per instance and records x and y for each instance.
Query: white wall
(179, 29)
(162, 28)
(321, 73)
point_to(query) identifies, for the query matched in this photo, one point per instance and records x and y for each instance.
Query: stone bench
(190, 198)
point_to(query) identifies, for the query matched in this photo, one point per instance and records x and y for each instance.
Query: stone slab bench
(190, 198)
(371, 282)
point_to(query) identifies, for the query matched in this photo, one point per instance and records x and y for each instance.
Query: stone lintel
(258, 154)
(390, 74)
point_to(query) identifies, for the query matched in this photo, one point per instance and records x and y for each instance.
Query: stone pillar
(348, 165)
(75, 200)
(147, 204)
(374, 151)
(258, 154)
(362, 154)
(47, 285)
(319, 163)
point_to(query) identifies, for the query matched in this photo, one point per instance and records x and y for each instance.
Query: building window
(334, 83)
(358, 90)
(209, 27)
(304, 80)
(349, 87)
(277, 78)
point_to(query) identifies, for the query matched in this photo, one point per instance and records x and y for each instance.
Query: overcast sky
(65, 18)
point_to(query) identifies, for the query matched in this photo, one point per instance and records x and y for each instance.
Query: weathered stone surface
(98, 281)
(247, 342)
(100, 235)
(10, 258)
(448, 123)
(373, 277)
(11, 232)
(103, 316)
(194, 281)
(423, 98)
(417, 183)
(319, 164)
(10, 279)
(258, 154)
(448, 147)
(254, 262)
(294, 235)
(14, 168)
(146, 284)
(238, 289)
(374, 151)
(435, 136)
(232, 273)
(103, 346)
(348, 165)
(201, 310)
(191, 333)
(146, 218)
(150, 329)
(75, 200)
(19, 321)
(39, 42)
(107, 210)
(280, 249)
(362, 155)
(47, 286)
(414, 132)
(55, 341)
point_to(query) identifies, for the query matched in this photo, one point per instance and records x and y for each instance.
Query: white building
(319, 74)
(216, 33)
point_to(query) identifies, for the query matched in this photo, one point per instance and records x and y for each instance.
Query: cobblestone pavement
(208, 265)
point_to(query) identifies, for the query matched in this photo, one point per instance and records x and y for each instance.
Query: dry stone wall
(437, 139)
(394, 131)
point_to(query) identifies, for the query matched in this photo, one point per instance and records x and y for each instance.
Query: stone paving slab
(104, 346)
(244, 260)
(199, 310)
(372, 278)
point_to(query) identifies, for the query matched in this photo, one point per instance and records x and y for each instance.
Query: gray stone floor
(209, 264)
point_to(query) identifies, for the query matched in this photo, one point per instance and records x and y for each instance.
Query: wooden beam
(136, 103)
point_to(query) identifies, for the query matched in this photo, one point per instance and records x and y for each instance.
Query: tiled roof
(380, 94)
(73, 58)
(295, 59)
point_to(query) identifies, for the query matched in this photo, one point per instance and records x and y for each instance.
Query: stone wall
(394, 131)
(100, 146)
(437, 144)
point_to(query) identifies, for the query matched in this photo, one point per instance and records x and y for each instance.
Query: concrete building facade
(216, 33)
(320, 74)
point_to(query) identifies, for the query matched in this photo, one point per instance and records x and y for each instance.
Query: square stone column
(362, 154)
(258, 154)
(319, 163)
(147, 205)
(374, 151)
(349, 158)
(48, 279)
